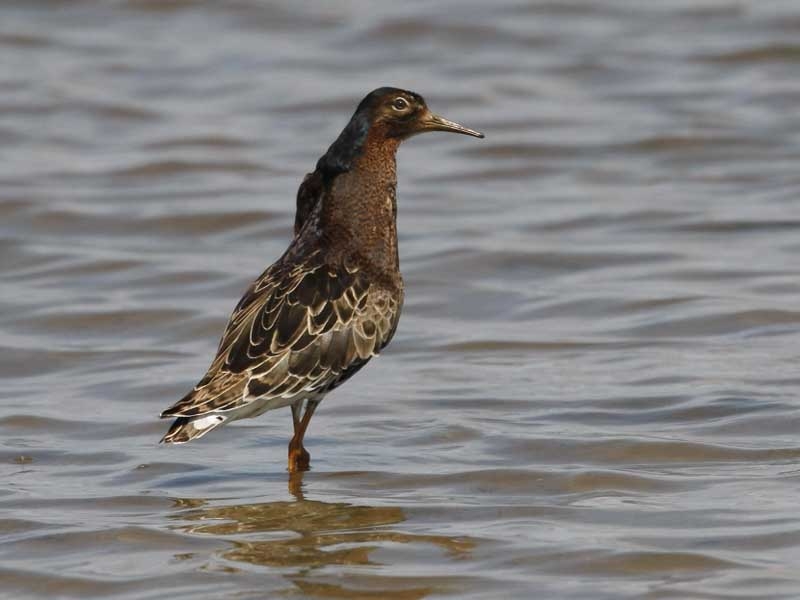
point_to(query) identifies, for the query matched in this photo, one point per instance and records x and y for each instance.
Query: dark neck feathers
(343, 153)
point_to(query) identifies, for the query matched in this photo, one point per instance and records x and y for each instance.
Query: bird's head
(390, 114)
(401, 114)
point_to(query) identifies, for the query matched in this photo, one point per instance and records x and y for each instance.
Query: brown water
(593, 392)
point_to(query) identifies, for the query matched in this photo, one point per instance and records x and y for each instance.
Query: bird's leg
(297, 412)
(299, 458)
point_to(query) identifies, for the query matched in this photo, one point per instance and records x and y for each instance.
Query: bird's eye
(400, 104)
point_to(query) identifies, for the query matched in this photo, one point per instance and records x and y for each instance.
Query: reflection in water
(307, 535)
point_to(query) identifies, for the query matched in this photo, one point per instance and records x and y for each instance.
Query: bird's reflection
(305, 535)
(296, 485)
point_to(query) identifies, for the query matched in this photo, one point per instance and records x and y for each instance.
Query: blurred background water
(593, 390)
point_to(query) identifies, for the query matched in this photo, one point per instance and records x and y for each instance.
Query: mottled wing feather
(301, 329)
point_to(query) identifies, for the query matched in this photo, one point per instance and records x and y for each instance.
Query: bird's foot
(299, 458)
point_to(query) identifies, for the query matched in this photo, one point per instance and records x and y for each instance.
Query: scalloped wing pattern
(298, 330)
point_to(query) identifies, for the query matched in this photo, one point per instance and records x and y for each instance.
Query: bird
(332, 301)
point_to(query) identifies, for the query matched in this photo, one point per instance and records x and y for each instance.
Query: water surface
(593, 390)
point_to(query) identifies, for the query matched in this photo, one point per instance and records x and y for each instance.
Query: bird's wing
(308, 194)
(297, 329)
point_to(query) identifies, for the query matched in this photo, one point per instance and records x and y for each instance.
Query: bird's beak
(432, 122)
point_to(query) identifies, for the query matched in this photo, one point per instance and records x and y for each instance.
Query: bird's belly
(261, 405)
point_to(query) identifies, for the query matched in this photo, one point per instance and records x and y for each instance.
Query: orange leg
(299, 458)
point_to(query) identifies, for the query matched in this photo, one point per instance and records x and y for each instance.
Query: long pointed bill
(436, 123)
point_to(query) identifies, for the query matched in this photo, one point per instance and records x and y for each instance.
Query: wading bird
(333, 300)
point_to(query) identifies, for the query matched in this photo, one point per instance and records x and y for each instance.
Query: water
(593, 390)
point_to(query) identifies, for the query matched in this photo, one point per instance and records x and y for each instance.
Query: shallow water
(593, 390)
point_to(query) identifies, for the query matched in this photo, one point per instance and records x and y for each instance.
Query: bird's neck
(358, 213)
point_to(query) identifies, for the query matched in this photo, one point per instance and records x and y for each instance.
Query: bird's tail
(185, 429)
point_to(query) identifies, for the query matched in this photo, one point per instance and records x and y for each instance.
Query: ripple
(520, 264)
(716, 325)
(167, 168)
(741, 226)
(639, 452)
(511, 482)
(758, 54)
(592, 392)
(21, 423)
(125, 322)
(207, 141)
(24, 40)
(511, 346)
(640, 563)
(85, 223)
